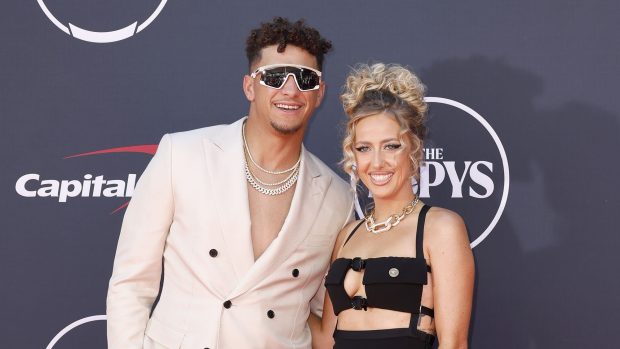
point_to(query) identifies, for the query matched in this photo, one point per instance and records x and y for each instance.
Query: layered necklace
(265, 188)
(391, 221)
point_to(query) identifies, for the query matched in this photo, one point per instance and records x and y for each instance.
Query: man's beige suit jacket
(189, 214)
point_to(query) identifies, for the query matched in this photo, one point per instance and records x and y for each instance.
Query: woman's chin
(382, 195)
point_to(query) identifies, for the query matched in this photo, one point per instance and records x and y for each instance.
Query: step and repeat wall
(524, 140)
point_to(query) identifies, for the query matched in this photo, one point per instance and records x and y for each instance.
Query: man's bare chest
(267, 216)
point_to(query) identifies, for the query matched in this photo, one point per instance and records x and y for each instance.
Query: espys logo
(89, 186)
(102, 37)
(461, 170)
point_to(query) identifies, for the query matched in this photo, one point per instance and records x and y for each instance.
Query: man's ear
(248, 87)
(321, 93)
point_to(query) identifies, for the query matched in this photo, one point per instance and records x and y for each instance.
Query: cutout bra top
(393, 283)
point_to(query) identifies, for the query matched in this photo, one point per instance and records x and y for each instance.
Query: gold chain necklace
(247, 150)
(391, 221)
(271, 189)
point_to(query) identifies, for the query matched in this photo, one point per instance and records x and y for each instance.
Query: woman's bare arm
(453, 277)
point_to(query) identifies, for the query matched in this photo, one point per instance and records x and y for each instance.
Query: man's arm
(137, 266)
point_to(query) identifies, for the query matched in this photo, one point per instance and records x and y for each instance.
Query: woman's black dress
(393, 283)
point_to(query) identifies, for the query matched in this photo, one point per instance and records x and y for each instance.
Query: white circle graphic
(74, 325)
(102, 37)
(502, 152)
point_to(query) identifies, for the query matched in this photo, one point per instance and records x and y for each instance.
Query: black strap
(427, 311)
(413, 324)
(419, 234)
(353, 232)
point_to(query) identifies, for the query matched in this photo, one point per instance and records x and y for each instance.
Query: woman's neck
(389, 206)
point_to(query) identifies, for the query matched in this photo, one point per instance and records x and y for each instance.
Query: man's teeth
(381, 177)
(287, 107)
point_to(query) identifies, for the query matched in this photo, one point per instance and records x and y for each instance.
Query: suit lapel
(224, 157)
(309, 193)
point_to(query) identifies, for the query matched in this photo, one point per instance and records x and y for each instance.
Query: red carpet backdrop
(524, 139)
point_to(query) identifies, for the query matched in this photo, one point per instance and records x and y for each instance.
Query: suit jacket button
(227, 304)
(271, 314)
(213, 253)
(295, 272)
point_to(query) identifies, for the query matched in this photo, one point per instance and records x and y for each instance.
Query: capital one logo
(101, 37)
(35, 185)
(455, 175)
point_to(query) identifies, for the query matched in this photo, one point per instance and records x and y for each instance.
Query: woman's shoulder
(446, 243)
(352, 225)
(343, 235)
(348, 229)
(444, 217)
(444, 226)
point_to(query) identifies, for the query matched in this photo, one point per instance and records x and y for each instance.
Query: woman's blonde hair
(385, 88)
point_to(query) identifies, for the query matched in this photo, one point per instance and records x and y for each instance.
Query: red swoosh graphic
(120, 207)
(145, 149)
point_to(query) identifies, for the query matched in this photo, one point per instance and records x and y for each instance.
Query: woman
(404, 274)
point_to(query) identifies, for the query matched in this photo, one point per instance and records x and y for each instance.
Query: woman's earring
(353, 178)
(353, 181)
(414, 184)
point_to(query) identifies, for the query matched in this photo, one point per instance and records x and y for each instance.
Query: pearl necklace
(391, 221)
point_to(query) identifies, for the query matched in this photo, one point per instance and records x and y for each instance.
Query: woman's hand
(321, 339)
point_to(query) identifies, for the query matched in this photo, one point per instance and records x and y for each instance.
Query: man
(243, 217)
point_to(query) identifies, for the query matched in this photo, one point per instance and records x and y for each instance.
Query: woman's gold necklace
(391, 221)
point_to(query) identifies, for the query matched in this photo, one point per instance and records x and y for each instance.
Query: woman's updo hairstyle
(385, 88)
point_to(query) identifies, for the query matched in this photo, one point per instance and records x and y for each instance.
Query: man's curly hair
(280, 31)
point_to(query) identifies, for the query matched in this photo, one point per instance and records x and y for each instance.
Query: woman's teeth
(381, 178)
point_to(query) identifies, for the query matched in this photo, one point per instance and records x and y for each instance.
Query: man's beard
(286, 130)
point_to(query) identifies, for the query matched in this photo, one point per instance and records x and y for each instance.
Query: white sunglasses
(275, 76)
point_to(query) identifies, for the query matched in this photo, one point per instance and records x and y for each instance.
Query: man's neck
(270, 148)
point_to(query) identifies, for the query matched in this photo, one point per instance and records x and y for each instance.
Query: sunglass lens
(307, 79)
(274, 78)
